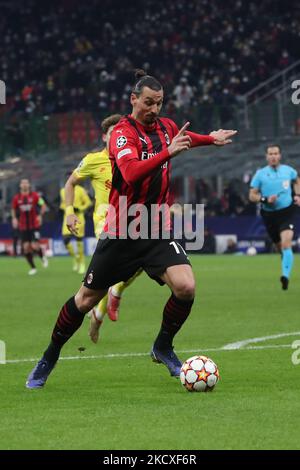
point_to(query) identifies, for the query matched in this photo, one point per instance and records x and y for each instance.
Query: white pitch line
(241, 344)
(126, 355)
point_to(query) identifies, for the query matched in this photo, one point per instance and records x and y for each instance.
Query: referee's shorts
(278, 221)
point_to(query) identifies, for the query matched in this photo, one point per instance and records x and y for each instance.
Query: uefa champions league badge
(90, 278)
(121, 141)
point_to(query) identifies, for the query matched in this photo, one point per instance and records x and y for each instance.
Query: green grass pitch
(119, 399)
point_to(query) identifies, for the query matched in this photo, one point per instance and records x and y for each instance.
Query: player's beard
(150, 119)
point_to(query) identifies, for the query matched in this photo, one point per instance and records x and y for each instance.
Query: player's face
(24, 185)
(147, 106)
(106, 137)
(273, 156)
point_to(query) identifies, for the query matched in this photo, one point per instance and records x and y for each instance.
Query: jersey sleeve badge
(121, 141)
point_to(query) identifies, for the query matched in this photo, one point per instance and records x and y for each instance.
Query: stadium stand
(66, 64)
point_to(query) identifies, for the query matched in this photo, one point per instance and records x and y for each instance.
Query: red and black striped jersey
(131, 143)
(141, 169)
(25, 206)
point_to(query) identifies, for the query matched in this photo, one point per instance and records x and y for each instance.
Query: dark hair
(273, 145)
(111, 120)
(142, 80)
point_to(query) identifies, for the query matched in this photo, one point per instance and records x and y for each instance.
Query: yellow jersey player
(97, 167)
(81, 202)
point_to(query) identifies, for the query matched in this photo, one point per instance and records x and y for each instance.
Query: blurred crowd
(229, 200)
(68, 55)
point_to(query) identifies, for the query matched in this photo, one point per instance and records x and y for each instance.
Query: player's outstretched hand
(72, 221)
(222, 136)
(180, 142)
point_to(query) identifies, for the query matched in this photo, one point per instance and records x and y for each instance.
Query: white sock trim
(98, 314)
(115, 292)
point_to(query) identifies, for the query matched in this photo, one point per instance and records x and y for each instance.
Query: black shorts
(278, 221)
(118, 260)
(30, 235)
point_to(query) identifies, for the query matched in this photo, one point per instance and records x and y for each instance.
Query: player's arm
(72, 181)
(42, 206)
(255, 195)
(125, 150)
(62, 205)
(296, 187)
(14, 219)
(255, 188)
(220, 137)
(85, 201)
(71, 219)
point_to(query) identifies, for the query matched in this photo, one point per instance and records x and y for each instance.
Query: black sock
(52, 352)
(15, 242)
(39, 252)
(68, 322)
(29, 258)
(175, 313)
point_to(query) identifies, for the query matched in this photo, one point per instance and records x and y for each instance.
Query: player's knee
(185, 290)
(85, 301)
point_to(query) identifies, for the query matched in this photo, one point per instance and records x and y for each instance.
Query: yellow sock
(101, 308)
(80, 252)
(70, 249)
(121, 286)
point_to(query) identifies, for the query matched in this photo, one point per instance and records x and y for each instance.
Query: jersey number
(176, 245)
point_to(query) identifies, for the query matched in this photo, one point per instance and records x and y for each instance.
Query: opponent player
(27, 211)
(141, 147)
(97, 167)
(273, 186)
(82, 202)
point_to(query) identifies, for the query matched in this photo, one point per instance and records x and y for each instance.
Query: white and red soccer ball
(199, 374)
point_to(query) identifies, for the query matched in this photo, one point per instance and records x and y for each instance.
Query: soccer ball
(199, 374)
(251, 251)
(49, 253)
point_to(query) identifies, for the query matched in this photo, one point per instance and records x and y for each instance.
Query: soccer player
(81, 203)
(97, 167)
(141, 148)
(27, 211)
(277, 188)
